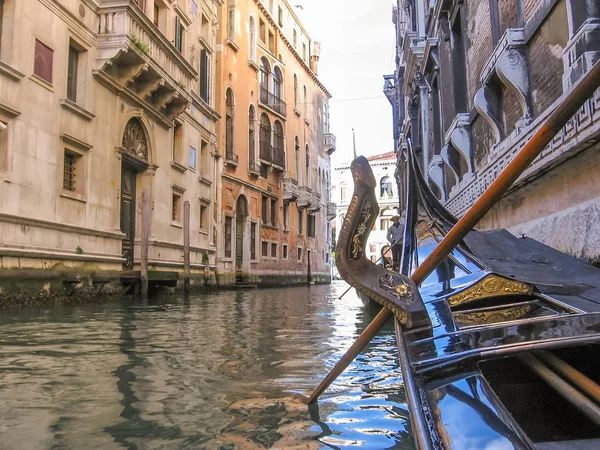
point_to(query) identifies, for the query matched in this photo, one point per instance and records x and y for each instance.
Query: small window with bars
(253, 227)
(273, 250)
(265, 249)
(71, 177)
(228, 236)
(284, 250)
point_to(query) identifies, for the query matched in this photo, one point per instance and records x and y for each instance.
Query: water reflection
(214, 371)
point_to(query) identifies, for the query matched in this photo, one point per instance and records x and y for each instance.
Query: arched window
(251, 139)
(307, 160)
(305, 100)
(278, 83)
(265, 137)
(298, 164)
(386, 187)
(295, 92)
(229, 124)
(265, 70)
(252, 38)
(278, 146)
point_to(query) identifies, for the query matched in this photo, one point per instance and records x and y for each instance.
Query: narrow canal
(212, 372)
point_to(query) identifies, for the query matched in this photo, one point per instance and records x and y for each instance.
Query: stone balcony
(331, 211)
(305, 199)
(329, 143)
(315, 205)
(290, 190)
(136, 60)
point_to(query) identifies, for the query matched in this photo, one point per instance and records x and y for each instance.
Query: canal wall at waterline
(24, 283)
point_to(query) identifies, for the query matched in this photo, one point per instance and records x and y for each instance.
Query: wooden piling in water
(145, 240)
(186, 246)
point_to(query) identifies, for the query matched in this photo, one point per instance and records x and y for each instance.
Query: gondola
(499, 347)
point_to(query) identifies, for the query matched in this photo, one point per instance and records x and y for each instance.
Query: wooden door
(128, 179)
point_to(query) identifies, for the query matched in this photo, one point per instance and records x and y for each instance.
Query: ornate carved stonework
(496, 316)
(134, 140)
(490, 286)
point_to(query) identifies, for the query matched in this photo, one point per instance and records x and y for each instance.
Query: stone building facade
(274, 134)
(473, 82)
(384, 167)
(99, 101)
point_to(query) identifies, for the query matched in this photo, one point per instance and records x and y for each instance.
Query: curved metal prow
(391, 290)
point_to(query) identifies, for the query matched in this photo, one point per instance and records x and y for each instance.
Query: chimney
(314, 58)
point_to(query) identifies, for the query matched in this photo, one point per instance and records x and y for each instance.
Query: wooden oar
(542, 137)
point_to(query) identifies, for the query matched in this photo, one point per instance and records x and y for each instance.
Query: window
(204, 75)
(156, 15)
(280, 16)
(298, 164)
(72, 73)
(271, 42)
(231, 21)
(385, 224)
(204, 160)
(273, 250)
(305, 100)
(386, 187)
(203, 217)
(265, 206)
(299, 254)
(265, 138)
(262, 30)
(307, 161)
(304, 52)
(228, 234)
(177, 141)
(343, 193)
(42, 65)
(193, 8)
(278, 144)
(286, 216)
(295, 38)
(253, 241)
(265, 70)
(295, 92)
(264, 251)
(229, 125)
(300, 222)
(325, 118)
(178, 35)
(176, 208)
(252, 39)
(310, 225)
(251, 139)
(271, 6)
(284, 250)
(277, 85)
(70, 176)
(373, 248)
(273, 212)
(192, 158)
(205, 28)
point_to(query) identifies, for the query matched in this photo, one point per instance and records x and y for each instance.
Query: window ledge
(270, 227)
(73, 196)
(192, 169)
(10, 72)
(205, 232)
(76, 109)
(296, 112)
(233, 45)
(202, 40)
(227, 259)
(306, 121)
(176, 225)
(205, 181)
(253, 64)
(177, 166)
(41, 82)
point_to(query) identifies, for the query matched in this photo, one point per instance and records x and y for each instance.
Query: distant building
(383, 166)
(473, 82)
(274, 184)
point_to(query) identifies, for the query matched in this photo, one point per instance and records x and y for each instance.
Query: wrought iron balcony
(133, 55)
(329, 143)
(273, 102)
(290, 190)
(305, 199)
(331, 211)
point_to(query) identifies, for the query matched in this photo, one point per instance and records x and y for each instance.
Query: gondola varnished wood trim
(496, 316)
(490, 286)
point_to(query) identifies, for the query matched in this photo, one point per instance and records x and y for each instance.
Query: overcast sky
(357, 49)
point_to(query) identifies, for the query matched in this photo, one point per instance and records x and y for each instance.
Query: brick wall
(446, 84)
(508, 14)
(511, 109)
(529, 7)
(478, 42)
(545, 60)
(483, 139)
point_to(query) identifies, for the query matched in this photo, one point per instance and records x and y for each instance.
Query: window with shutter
(72, 74)
(178, 35)
(204, 75)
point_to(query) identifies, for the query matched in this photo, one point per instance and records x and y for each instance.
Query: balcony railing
(272, 101)
(315, 202)
(290, 190)
(305, 199)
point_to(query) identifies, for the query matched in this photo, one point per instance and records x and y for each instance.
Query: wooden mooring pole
(186, 247)
(146, 207)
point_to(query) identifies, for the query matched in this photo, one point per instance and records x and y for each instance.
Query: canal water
(209, 371)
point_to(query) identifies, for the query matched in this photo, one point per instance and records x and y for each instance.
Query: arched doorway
(134, 160)
(241, 213)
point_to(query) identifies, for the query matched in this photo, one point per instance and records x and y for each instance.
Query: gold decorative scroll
(496, 316)
(490, 286)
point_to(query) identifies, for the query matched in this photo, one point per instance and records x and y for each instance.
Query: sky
(357, 49)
